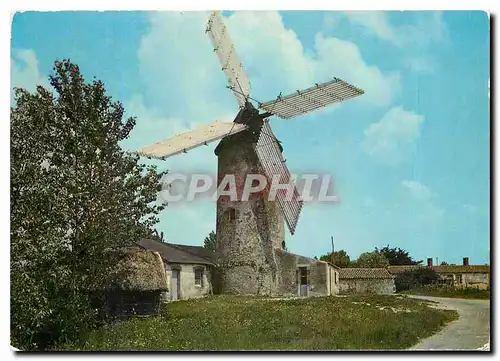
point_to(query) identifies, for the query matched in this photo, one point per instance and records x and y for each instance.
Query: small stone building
(366, 280)
(189, 269)
(303, 277)
(464, 275)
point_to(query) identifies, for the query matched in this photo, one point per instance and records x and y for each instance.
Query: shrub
(415, 278)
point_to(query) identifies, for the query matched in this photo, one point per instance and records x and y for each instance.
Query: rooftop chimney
(429, 262)
(466, 261)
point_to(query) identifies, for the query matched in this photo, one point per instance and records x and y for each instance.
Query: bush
(415, 278)
(451, 291)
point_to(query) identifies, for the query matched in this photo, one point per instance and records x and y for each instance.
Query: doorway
(303, 282)
(175, 284)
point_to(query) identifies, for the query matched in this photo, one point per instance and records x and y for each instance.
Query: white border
(185, 5)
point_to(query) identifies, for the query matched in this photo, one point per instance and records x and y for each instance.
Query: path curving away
(470, 332)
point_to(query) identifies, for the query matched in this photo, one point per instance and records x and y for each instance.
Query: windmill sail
(183, 142)
(272, 161)
(310, 99)
(231, 65)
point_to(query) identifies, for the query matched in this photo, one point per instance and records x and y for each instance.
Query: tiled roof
(443, 268)
(462, 269)
(364, 273)
(173, 253)
(400, 269)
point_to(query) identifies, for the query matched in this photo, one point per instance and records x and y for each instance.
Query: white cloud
(391, 138)
(184, 85)
(344, 59)
(278, 62)
(417, 190)
(24, 72)
(427, 28)
(178, 65)
(428, 210)
(420, 64)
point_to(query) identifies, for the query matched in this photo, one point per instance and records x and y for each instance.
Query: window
(198, 277)
(232, 214)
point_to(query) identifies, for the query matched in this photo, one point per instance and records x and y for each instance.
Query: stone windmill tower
(249, 231)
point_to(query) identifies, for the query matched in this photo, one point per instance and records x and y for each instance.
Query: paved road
(470, 332)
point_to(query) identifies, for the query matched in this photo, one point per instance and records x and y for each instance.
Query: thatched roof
(136, 270)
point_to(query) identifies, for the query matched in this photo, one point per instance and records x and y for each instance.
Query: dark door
(175, 284)
(303, 282)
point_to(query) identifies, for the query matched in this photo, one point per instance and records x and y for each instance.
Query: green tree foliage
(210, 241)
(396, 256)
(75, 194)
(417, 277)
(340, 258)
(371, 260)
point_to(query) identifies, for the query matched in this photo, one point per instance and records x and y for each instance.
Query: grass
(253, 323)
(450, 291)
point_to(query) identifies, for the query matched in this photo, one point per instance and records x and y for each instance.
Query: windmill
(247, 232)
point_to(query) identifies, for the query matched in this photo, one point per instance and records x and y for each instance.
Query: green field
(253, 323)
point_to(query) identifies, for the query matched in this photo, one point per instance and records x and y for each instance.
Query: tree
(396, 256)
(75, 195)
(340, 258)
(417, 277)
(371, 260)
(210, 241)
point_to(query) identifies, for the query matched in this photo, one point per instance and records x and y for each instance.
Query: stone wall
(373, 286)
(188, 288)
(465, 279)
(247, 231)
(470, 278)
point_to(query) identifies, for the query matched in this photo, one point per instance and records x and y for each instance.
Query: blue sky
(409, 159)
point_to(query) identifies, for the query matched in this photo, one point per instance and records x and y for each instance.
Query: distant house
(189, 269)
(366, 280)
(464, 275)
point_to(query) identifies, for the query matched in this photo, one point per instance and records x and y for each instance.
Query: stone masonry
(247, 231)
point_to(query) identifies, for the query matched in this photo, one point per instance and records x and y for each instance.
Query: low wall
(373, 286)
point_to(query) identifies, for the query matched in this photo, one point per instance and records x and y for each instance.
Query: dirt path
(470, 332)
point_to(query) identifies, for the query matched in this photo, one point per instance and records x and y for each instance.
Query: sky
(409, 159)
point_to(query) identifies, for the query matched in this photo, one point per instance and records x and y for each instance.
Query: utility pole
(333, 251)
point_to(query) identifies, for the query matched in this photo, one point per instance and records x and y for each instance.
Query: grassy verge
(449, 291)
(252, 323)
